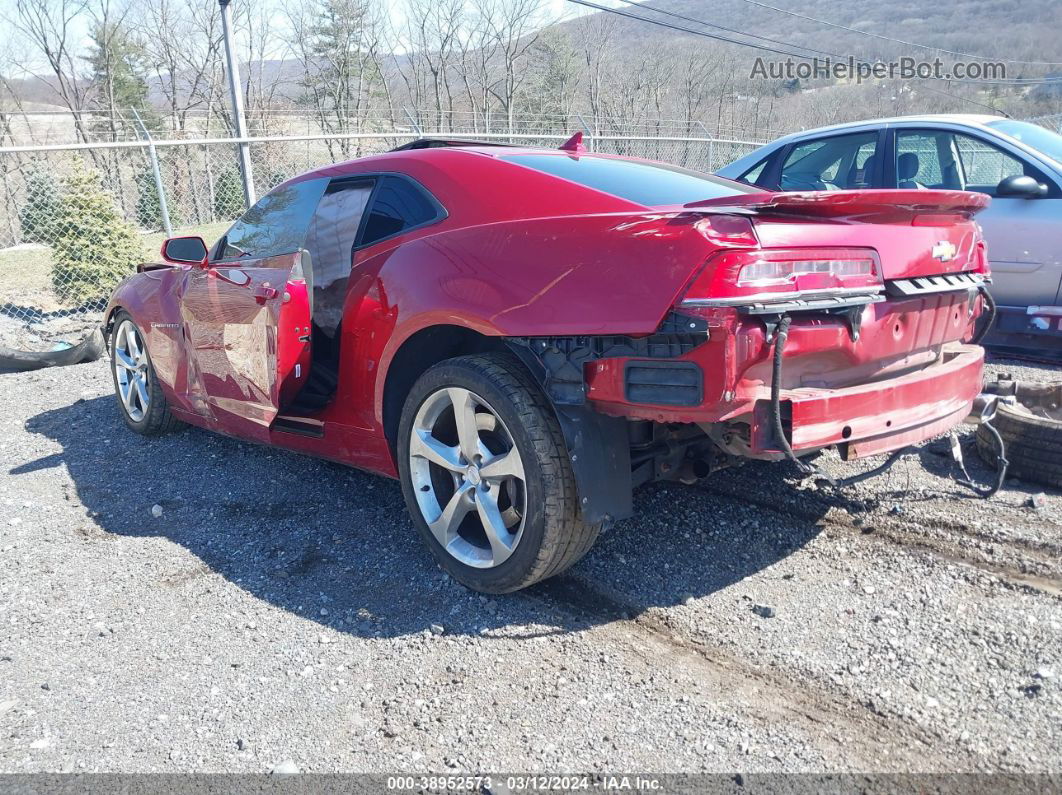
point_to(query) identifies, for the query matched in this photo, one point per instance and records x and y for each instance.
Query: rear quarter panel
(601, 274)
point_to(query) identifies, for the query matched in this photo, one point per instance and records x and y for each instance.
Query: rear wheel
(140, 398)
(486, 477)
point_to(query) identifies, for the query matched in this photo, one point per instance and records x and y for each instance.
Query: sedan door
(1024, 235)
(246, 316)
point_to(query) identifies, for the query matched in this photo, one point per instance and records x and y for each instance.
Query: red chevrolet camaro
(523, 336)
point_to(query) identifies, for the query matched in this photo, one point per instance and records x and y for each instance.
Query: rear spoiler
(439, 143)
(879, 206)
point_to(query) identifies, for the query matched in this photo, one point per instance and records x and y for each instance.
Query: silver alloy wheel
(131, 370)
(468, 477)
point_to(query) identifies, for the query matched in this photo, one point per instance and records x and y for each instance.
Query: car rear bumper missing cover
(880, 416)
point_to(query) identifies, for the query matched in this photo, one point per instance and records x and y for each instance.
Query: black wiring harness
(990, 306)
(781, 335)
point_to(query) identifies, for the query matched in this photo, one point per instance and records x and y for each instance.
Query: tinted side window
(275, 225)
(834, 163)
(985, 166)
(751, 176)
(926, 160)
(334, 228)
(397, 205)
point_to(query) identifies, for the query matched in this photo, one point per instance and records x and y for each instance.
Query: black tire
(158, 419)
(554, 535)
(1033, 445)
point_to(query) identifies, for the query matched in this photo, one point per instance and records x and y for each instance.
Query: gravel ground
(280, 611)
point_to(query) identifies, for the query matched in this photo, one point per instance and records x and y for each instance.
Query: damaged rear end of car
(815, 320)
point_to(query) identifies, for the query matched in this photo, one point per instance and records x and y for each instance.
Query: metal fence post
(587, 132)
(160, 189)
(413, 121)
(711, 145)
(236, 89)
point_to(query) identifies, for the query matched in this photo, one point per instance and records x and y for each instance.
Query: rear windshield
(650, 184)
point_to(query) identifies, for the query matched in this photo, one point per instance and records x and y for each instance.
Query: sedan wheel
(485, 474)
(468, 476)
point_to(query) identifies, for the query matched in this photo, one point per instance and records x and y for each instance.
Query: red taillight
(728, 230)
(774, 274)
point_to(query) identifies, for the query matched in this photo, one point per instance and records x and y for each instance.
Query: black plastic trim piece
(285, 425)
(445, 143)
(562, 358)
(811, 304)
(663, 383)
(926, 285)
(598, 450)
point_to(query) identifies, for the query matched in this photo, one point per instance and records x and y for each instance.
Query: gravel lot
(280, 611)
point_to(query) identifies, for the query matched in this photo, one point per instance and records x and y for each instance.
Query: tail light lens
(777, 274)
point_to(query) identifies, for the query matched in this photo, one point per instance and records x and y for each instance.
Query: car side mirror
(185, 251)
(1021, 187)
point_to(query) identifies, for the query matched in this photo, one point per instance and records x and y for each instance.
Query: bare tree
(338, 44)
(554, 65)
(514, 26)
(596, 35)
(263, 46)
(434, 30)
(48, 25)
(477, 51)
(186, 55)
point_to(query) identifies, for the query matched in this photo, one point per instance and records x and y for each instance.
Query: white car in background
(1017, 163)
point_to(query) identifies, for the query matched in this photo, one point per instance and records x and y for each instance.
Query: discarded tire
(88, 350)
(1032, 432)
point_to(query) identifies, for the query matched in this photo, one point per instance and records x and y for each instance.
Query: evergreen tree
(228, 195)
(340, 73)
(117, 72)
(148, 207)
(93, 248)
(38, 214)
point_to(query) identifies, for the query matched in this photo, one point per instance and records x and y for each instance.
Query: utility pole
(236, 89)
(160, 189)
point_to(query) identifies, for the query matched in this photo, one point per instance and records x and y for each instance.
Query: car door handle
(263, 294)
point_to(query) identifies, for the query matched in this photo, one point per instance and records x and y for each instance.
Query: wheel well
(421, 351)
(108, 322)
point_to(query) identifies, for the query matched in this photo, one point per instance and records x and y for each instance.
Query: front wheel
(140, 398)
(486, 477)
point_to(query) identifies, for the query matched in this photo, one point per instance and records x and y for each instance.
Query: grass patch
(25, 270)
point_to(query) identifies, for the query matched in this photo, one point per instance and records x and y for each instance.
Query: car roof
(970, 119)
(434, 154)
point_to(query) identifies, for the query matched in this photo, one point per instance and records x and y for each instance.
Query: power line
(661, 23)
(753, 45)
(964, 99)
(730, 30)
(889, 38)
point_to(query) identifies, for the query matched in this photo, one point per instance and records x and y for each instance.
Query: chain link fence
(76, 218)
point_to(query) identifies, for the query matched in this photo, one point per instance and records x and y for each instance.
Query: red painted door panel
(247, 330)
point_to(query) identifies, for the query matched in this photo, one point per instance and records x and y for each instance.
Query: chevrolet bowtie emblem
(944, 251)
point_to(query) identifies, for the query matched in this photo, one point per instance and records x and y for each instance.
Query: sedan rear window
(649, 184)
